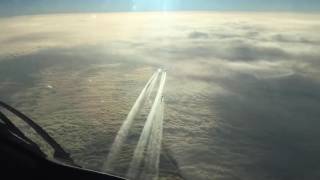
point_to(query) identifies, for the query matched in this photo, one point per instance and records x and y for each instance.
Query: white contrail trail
(138, 153)
(152, 159)
(149, 93)
(152, 86)
(124, 129)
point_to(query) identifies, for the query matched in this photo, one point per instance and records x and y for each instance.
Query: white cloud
(238, 84)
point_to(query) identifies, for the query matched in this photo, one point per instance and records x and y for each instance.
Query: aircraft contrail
(124, 129)
(138, 153)
(152, 159)
(152, 86)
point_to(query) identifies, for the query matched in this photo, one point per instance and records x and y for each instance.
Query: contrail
(124, 130)
(149, 93)
(138, 153)
(152, 159)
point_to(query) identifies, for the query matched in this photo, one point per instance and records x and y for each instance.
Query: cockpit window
(168, 89)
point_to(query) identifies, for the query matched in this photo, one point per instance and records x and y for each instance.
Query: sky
(22, 7)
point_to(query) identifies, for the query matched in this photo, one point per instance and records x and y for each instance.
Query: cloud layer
(242, 95)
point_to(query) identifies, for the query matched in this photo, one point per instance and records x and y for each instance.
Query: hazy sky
(20, 7)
